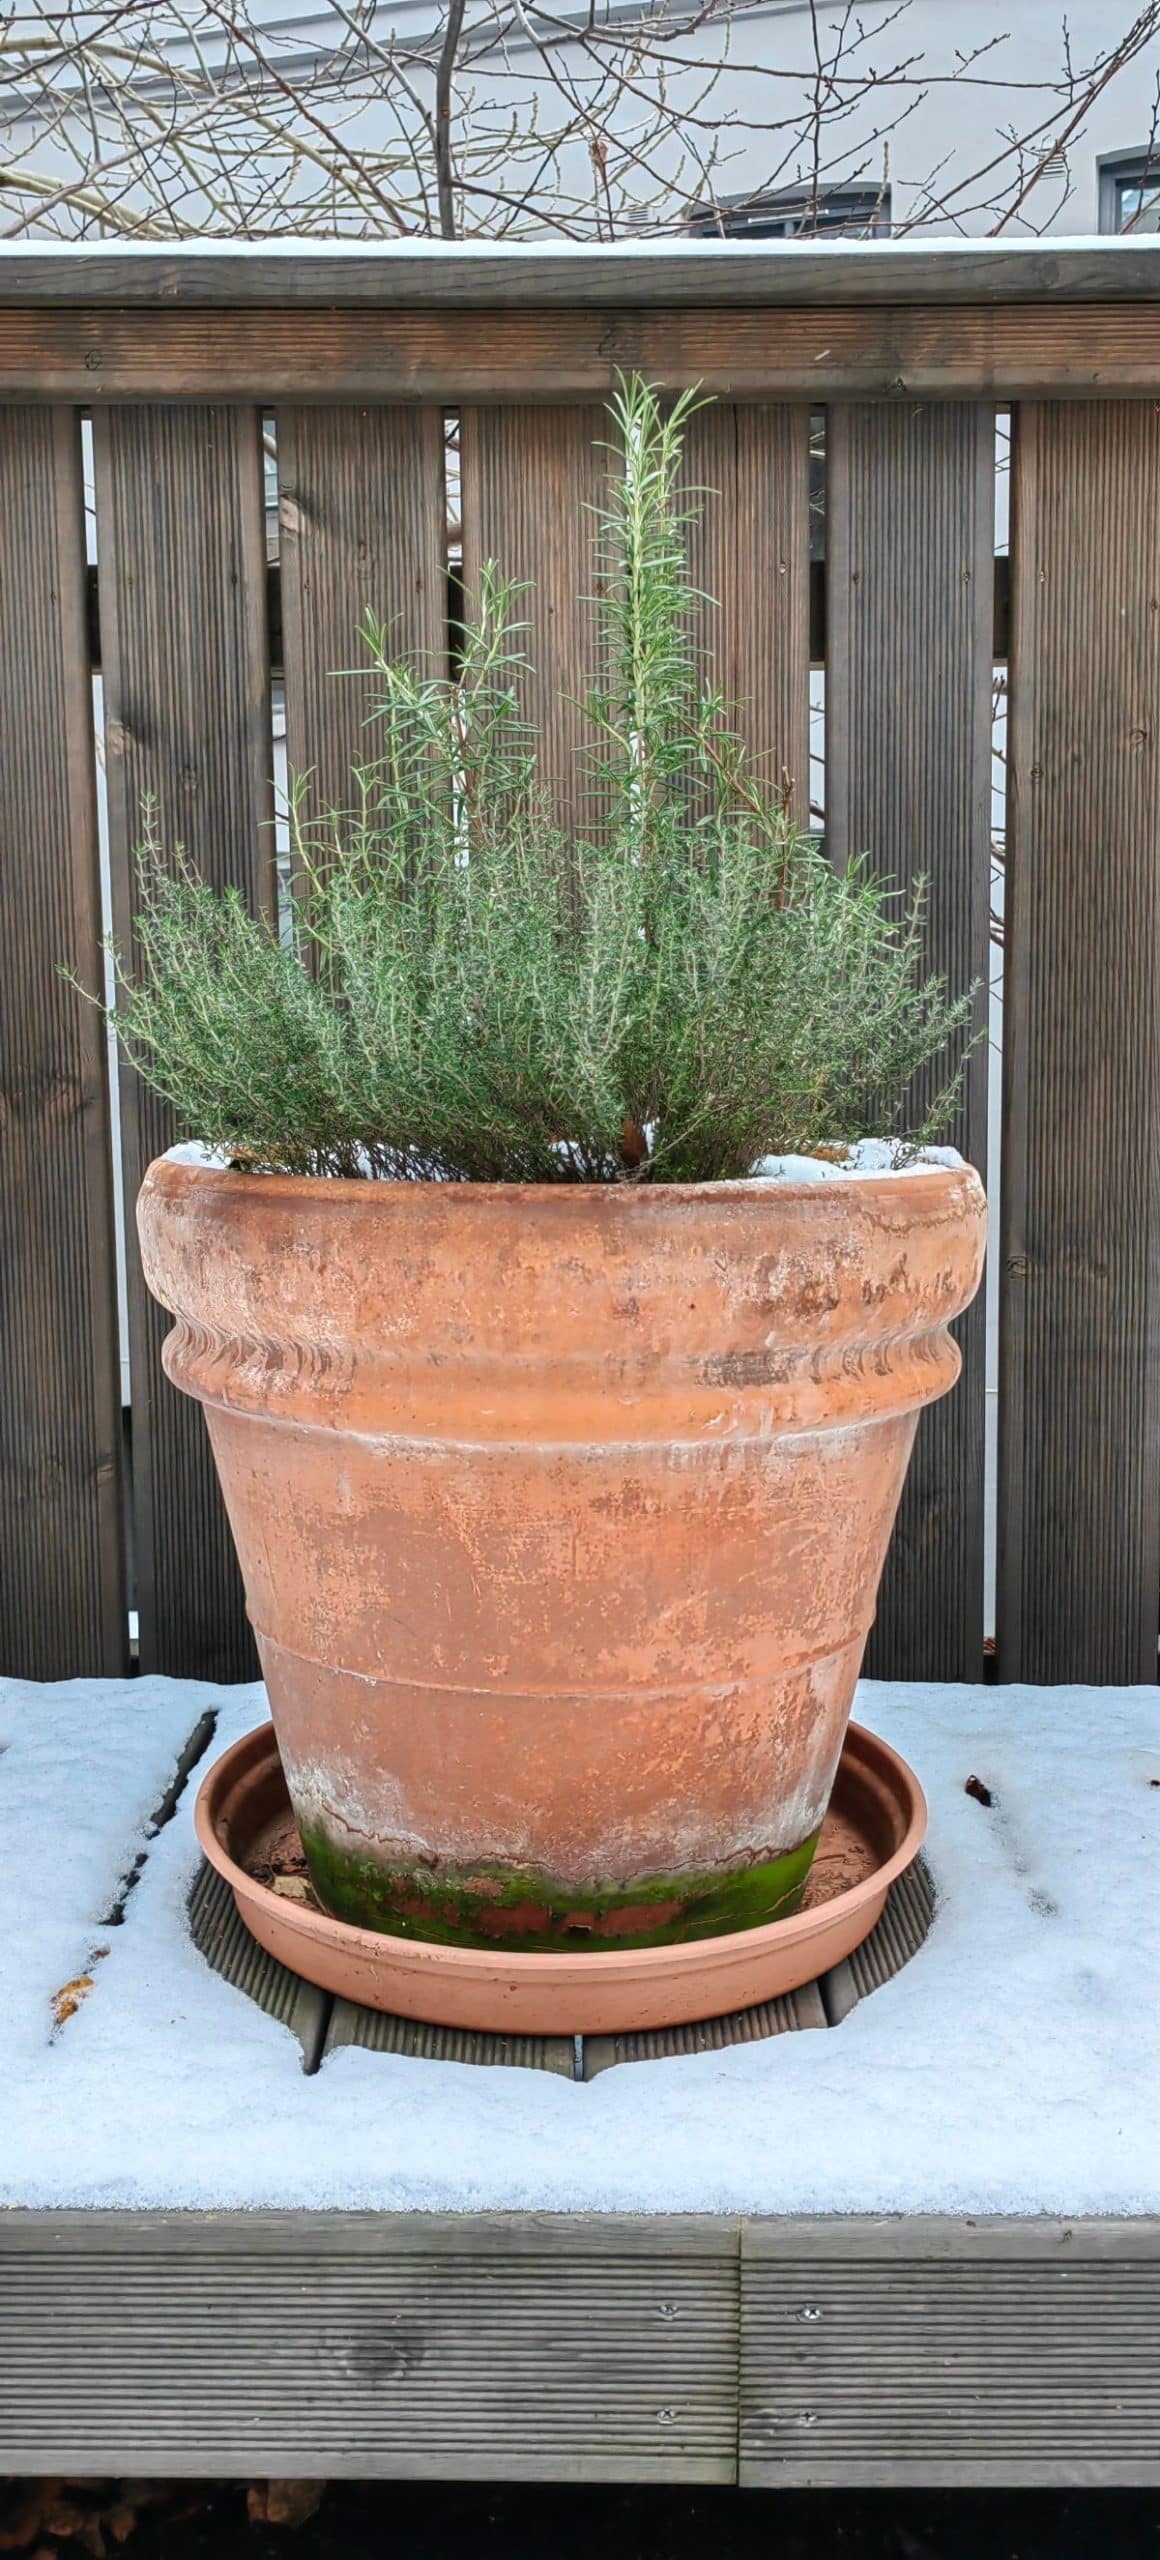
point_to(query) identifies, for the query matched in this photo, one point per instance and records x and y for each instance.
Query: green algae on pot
(524, 1909)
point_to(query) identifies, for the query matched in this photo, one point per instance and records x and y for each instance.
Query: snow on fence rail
(203, 375)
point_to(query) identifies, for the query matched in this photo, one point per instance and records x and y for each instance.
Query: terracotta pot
(561, 1512)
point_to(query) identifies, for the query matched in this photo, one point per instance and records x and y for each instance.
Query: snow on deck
(1013, 2067)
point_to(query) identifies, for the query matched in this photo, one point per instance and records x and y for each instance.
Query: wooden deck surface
(536, 2346)
(599, 2347)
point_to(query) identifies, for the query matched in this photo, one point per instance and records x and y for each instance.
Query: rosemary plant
(461, 993)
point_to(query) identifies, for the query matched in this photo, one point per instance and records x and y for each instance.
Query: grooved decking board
(529, 477)
(362, 519)
(516, 2347)
(886, 352)
(181, 542)
(222, 1937)
(899, 1934)
(378, 2032)
(931, 2351)
(1079, 1428)
(750, 553)
(915, 2348)
(910, 535)
(63, 1607)
(785, 2016)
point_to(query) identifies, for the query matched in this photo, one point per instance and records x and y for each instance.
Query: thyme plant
(460, 992)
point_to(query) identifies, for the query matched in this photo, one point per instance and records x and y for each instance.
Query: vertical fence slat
(910, 537)
(181, 551)
(750, 553)
(528, 478)
(361, 510)
(1079, 1453)
(62, 1586)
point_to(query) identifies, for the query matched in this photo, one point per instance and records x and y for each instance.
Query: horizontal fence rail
(261, 449)
(433, 276)
(865, 351)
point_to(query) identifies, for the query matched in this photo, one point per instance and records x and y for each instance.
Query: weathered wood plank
(369, 2345)
(750, 553)
(63, 1608)
(529, 478)
(910, 536)
(1033, 2240)
(919, 2350)
(363, 522)
(1079, 1458)
(527, 2346)
(181, 543)
(665, 273)
(490, 2236)
(516, 356)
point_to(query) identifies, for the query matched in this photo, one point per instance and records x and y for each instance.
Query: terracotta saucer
(874, 1828)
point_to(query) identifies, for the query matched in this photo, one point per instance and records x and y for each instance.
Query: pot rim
(171, 1171)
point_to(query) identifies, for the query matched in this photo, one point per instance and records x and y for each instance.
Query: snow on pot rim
(561, 1510)
(863, 1156)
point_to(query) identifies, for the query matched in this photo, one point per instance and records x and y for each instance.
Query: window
(795, 213)
(1130, 192)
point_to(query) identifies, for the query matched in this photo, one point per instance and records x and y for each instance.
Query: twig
(444, 79)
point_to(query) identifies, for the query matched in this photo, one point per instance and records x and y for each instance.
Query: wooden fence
(357, 358)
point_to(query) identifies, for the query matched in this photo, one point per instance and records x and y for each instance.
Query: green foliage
(460, 992)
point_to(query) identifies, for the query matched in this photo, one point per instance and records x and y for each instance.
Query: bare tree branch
(444, 82)
(165, 119)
